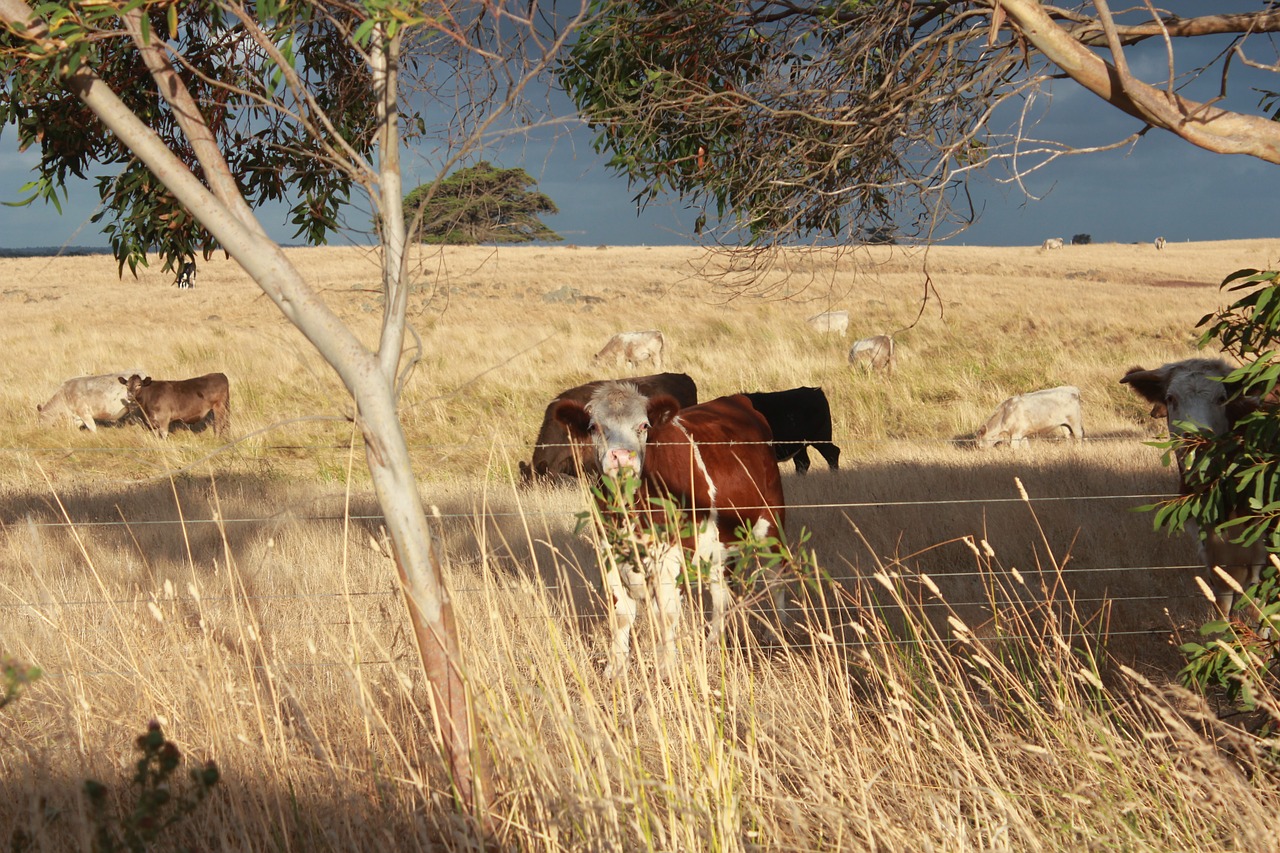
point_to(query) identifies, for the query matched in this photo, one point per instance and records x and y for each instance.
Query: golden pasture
(232, 591)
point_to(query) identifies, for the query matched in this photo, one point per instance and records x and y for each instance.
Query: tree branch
(1208, 127)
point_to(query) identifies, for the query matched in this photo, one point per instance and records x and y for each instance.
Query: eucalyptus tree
(209, 109)
(782, 120)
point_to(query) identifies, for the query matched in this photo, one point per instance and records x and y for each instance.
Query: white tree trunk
(369, 377)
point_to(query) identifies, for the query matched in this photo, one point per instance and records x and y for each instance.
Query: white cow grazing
(633, 348)
(830, 322)
(88, 399)
(1027, 414)
(1159, 243)
(1190, 391)
(1051, 243)
(875, 354)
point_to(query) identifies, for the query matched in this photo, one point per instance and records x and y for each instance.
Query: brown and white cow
(1034, 413)
(876, 354)
(88, 399)
(1191, 392)
(190, 401)
(557, 459)
(714, 459)
(631, 349)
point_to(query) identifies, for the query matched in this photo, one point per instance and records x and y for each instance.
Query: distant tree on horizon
(480, 204)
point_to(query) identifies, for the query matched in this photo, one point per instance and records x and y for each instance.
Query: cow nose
(617, 458)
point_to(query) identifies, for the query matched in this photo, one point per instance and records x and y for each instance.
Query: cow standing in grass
(88, 399)
(799, 418)
(1191, 392)
(162, 402)
(631, 349)
(714, 460)
(1037, 412)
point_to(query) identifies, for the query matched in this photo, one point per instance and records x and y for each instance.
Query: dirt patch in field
(1177, 282)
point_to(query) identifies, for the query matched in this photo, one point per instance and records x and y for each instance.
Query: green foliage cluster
(480, 204)
(782, 120)
(14, 678)
(157, 807)
(271, 139)
(1233, 481)
(630, 524)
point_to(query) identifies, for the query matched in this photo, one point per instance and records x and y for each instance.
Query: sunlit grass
(981, 671)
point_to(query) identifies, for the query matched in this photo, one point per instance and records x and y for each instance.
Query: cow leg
(624, 616)
(87, 421)
(665, 605)
(1076, 429)
(710, 549)
(777, 582)
(830, 453)
(802, 460)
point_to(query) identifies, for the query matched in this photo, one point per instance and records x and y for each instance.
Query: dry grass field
(984, 671)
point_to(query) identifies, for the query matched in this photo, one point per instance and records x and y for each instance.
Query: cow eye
(642, 429)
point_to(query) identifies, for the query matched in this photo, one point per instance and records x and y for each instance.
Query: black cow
(186, 276)
(798, 418)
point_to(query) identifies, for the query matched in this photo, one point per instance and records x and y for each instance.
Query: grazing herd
(132, 394)
(718, 460)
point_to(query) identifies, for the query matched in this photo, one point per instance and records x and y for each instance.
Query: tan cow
(876, 354)
(1051, 243)
(830, 322)
(88, 399)
(161, 401)
(1034, 413)
(632, 348)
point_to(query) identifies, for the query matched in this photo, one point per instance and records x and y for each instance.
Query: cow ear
(147, 381)
(123, 381)
(1153, 385)
(662, 409)
(573, 416)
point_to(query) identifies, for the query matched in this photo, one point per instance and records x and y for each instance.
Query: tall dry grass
(982, 671)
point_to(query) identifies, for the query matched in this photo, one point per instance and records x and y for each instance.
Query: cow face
(131, 386)
(617, 421)
(1187, 393)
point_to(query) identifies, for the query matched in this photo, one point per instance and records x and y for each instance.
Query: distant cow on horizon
(186, 276)
(633, 348)
(190, 401)
(1033, 413)
(1159, 243)
(88, 399)
(1051, 243)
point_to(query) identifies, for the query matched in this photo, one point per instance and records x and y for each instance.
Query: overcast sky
(1161, 187)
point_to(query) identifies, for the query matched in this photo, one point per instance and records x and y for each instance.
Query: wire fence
(50, 608)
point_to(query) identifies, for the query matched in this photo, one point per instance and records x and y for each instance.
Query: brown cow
(556, 459)
(715, 460)
(162, 401)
